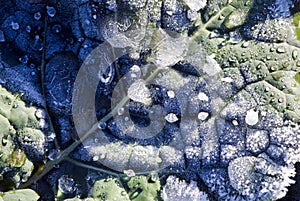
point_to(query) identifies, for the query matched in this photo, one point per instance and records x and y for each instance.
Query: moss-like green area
(19, 128)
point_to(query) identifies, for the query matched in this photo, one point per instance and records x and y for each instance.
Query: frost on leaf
(22, 137)
(177, 190)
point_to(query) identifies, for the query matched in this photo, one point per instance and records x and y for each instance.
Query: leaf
(20, 195)
(22, 138)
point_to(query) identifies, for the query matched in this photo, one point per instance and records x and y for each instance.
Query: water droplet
(56, 28)
(2, 37)
(295, 54)
(28, 29)
(43, 124)
(121, 111)
(40, 114)
(66, 184)
(135, 71)
(245, 44)
(24, 59)
(51, 137)
(53, 155)
(251, 117)
(203, 97)
(280, 50)
(171, 94)
(203, 115)
(37, 16)
(51, 11)
(227, 79)
(38, 43)
(171, 118)
(15, 25)
(101, 125)
(95, 158)
(129, 173)
(235, 122)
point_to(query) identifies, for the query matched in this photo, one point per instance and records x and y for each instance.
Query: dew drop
(121, 111)
(295, 54)
(203, 115)
(129, 173)
(101, 125)
(171, 118)
(51, 11)
(15, 25)
(235, 122)
(251, 117)
(66, 184)
(171, 94)
(280, 50)
(53, 155)
(37, 16)
(203, 97)
(2, 37)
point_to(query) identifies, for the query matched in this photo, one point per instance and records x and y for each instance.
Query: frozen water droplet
(139, 92)
(15, 25)
(203, 115)
(101, 125)
(280, 50)
(171, 94)
(53, 154)
(40, 114)
(43, 124)
(51, 11)
(129, 173)
(202, 96)
(251, 117)
(135, 71)
(235, 122)
(38, 43)
(171, 118)
(37, 16)
(211, 66)
(121, 111)
(107, 78)
(195, 5)
(227, 79)
(28, 28)
(51, 137)
(192, 15)
(56, 28)
(66, 184)
(2, 37)
(245, 44)
(95, 158)
(24, 59)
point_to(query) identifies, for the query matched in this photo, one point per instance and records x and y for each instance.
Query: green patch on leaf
(20, 195)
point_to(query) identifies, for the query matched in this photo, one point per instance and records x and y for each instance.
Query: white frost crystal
(202, 115)
(140, 93)
(176, 190)
(195, 5)
(202, 96)
(211, 66)
(257, 177)
(251, 117)
(171, 118)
